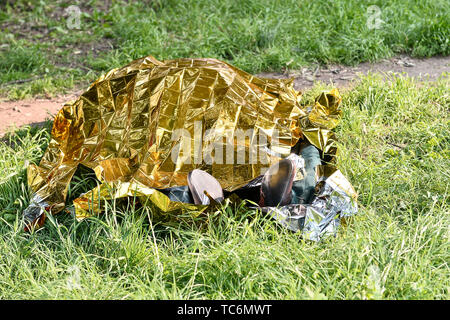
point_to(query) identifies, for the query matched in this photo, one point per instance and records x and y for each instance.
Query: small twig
(20, 81)
(396, 145)
(315, 71)
(85, 68)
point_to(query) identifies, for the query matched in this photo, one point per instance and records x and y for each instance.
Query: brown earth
(340, 76)
(14, 114)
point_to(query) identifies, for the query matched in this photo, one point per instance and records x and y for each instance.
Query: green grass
(394, 148)
(255, 35)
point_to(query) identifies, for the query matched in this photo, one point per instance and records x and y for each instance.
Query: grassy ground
(395, 148)
(41, 54)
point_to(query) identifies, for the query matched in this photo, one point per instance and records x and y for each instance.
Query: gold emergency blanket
(148, 124)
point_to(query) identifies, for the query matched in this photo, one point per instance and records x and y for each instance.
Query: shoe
(204, 187)
(276, 186)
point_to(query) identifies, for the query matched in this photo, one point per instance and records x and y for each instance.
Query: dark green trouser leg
(178, 194)
(303, 190)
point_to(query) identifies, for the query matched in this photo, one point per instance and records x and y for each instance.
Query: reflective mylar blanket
(145, 126)
(334, 201)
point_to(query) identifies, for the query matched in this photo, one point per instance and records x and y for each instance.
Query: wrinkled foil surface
(334, 201)
(125, 128)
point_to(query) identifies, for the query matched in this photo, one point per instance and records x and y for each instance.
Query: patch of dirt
(341, 76)
(14, 114)
(35, 111)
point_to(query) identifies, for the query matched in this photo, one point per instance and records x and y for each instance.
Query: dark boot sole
(276, 187)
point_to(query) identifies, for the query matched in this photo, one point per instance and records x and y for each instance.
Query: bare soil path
(14, 114)
(34, 111)
(424, 69)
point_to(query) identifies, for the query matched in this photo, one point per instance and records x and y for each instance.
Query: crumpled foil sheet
(125, 127)
(334, 201)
